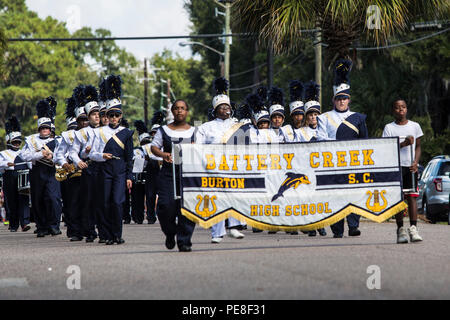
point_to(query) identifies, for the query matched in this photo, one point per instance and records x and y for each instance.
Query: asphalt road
(260, 266)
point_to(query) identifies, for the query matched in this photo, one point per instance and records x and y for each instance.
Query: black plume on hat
(296, 90)
(342, 69)
(255, 102)
(78, 95)
(158, 117)
(312, 91)
(140, 126)
(89, 94)
(52, 110)
(276, 96)
(262, 92)
(244, 112)
(43, 109)
(12, 125)
(113, 87)
(70, 107)
(52, 102)
(102, 90)
(221, 85)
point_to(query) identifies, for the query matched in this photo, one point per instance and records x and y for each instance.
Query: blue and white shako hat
(102, 96)
(276, 102)
(44, 114)
(113, 88)
(78, 95)
(341, 85)
(221, 93)
(296, 105)
(71, 119)
(90, 99)
(312, 91)
(142, 130)
(259, 111)
(12, 129)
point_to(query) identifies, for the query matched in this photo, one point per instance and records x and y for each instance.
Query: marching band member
(113, 145)
(45, 190)
(276, 112)
(70, 187)
(297, 111)
(220, 130)
(152, 169)
(87, 102)
(342, 124)
(261, 132)
(11, 161)
(173, 223)
(308, 132)
(126, 218)
(138, 189)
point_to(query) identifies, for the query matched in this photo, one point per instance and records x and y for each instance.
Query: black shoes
(322, 232)
(90, 239)
(184, 248)
(109, 242)
(256, 230)
(151, 220)
(126, 221)
(76, 238)
(119, 240)
(41, 234)
(54, 232)
(354, 232)
(312, 233)
(26, 228)
(102, 241)
(338, 235)
(170, 243)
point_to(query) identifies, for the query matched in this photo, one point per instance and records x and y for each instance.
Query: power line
(247, 71)
(196, 36)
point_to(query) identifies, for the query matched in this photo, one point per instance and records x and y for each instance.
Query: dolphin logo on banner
(293, 180)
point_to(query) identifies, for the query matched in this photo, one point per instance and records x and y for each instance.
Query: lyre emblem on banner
(206, 200)
(376, 207)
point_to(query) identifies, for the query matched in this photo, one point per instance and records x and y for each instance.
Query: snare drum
(23, 181)
(139, 177)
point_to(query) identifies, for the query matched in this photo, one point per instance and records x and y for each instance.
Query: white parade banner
(291, 186)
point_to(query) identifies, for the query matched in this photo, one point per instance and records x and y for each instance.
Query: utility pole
(318, 60)
(227, 5)
(227, 39)
(145, 92)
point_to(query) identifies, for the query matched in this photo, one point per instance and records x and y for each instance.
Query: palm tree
(342, 21)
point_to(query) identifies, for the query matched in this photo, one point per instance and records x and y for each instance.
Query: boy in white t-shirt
(402, 127)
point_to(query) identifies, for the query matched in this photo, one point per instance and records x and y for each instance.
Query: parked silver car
(434, 189)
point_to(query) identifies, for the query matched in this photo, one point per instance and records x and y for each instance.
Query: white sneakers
(402, 236)
(414, 234)
(216, 240)
(234, 233)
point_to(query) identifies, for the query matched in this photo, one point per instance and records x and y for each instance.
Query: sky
(131, 18)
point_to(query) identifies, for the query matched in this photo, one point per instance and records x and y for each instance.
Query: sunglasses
(114, 115)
